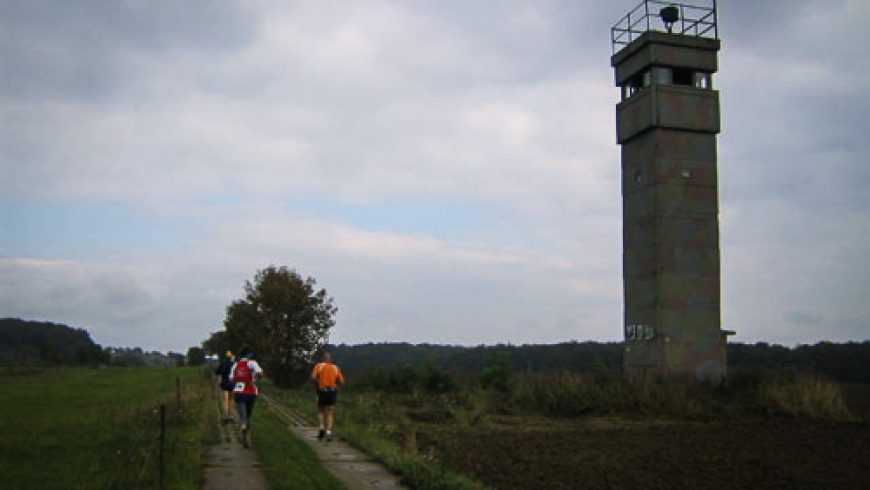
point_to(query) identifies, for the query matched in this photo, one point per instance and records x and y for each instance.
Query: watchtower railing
(694, 20)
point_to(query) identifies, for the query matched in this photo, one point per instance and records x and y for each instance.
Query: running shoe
(328, 436)
(321, 433)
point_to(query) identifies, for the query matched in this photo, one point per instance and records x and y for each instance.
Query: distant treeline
(849, 362)
(25, 342)
(30, 343)
(570, 356)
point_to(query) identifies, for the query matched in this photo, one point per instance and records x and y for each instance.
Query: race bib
(239, 387)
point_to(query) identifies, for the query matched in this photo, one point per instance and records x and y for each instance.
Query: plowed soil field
(757, 454)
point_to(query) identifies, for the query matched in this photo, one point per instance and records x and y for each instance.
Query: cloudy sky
(446, 170)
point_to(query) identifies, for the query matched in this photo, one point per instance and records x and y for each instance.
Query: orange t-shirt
(328, 375)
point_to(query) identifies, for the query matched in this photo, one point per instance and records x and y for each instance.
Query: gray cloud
(229, 115)
(96, 50)
(795, 213)
(804, 318)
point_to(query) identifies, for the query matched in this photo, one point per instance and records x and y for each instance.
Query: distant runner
(244, 375)
(326, 376)
(223, 370)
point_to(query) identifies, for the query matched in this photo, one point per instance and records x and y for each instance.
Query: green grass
(83, 428)
(302, 400)
(288, 462)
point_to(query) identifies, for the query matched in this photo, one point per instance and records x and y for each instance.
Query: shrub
(801, 396)
(436, 381)
(557, 394)
(571, 394)
(497, 374)
(407, 380)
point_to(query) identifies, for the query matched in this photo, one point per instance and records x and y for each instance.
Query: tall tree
(218, 343)
(284, 318)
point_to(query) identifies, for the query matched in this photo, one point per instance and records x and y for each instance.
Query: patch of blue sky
(84, 229)
(446, 220)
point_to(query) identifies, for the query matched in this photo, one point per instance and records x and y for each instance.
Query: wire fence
(154, 439)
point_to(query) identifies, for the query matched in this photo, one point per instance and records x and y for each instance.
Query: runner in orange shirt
(326, 377)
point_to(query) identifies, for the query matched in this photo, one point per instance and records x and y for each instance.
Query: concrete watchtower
(667, 121)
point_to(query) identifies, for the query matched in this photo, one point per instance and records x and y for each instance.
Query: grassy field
(75, 428)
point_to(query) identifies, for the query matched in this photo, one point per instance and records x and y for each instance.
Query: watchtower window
(683, 76)
(703, 80)
(635, 84)
(663, 76)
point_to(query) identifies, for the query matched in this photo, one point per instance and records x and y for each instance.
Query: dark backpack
(223, 370)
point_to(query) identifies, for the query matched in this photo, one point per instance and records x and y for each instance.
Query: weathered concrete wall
(668, 106)
(661, 49)
(671, 266)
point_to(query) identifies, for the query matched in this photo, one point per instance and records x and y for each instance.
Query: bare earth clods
(758, 454)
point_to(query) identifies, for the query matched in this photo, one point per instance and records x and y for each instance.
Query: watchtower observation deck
(650, 15)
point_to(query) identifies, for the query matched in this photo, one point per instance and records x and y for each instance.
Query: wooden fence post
(160, 458)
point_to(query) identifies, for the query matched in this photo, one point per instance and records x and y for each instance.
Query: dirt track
(758, 454)
(355, 469)
(228, 465)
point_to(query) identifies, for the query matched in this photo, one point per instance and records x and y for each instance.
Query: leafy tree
(283, 317)
(195, 356)
(92, 355)
(218, 343)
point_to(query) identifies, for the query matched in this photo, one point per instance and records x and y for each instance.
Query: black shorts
(326, 398)
(227, 385)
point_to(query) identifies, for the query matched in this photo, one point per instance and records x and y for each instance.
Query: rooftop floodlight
(669, 15)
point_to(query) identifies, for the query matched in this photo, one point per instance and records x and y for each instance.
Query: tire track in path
(353, 467)
(229, 465)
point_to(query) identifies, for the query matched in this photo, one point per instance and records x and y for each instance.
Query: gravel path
(228, 465)
(353, 467)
